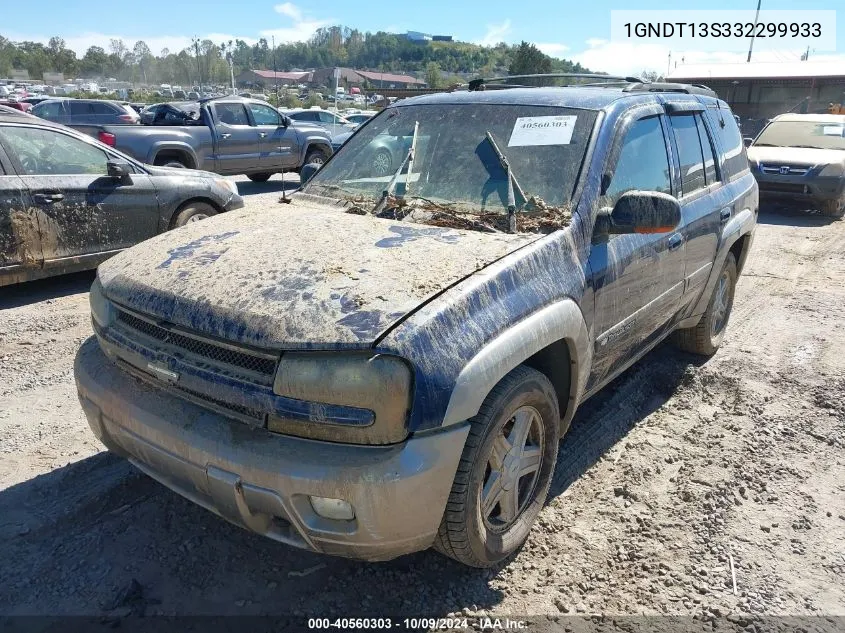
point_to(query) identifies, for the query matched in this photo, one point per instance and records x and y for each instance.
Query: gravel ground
(672, 476)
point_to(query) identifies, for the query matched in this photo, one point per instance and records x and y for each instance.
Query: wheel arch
(553, 340)
(175, 150)
(317, 143)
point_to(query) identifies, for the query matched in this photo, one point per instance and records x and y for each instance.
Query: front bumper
(262, 481)
(800, 188)
(235, 202)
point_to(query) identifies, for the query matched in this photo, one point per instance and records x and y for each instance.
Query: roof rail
(481, 83)
(235, 97)
(662, 86)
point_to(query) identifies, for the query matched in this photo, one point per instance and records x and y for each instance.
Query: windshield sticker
(542, 130)
(833, 130)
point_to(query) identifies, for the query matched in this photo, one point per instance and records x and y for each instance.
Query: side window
(709, 155)
(729, 140)
(643, 163)
(264, 115)
(40, 152)
(689, 152)
(103, 108)
(327, 117)
(232, 114)
(51, 110)
(79, 108)
(306, 116)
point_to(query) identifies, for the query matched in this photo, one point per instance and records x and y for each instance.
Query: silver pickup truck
(232, 135)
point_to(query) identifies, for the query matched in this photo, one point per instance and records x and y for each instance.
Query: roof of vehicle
(815, 118)
(583, 97)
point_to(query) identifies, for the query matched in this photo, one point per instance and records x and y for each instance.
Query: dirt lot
(669, 476)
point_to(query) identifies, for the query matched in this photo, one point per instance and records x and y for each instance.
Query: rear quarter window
(729, 140)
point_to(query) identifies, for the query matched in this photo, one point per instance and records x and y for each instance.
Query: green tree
(433, 76)
(527, 59)
(94, 62)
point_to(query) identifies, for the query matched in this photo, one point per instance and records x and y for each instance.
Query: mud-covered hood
(795, 156)
(296, 276)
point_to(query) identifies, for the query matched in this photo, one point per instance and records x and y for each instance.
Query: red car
(23, 106)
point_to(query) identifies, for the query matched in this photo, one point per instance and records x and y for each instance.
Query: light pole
(756, 19)
(231, 60)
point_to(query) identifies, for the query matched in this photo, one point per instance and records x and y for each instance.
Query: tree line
(439, 63)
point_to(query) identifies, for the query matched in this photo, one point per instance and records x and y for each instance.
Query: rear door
(279, 145)
(700, 196)
(82, 212)
(238, 143)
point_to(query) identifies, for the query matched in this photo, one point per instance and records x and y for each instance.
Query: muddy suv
(388, 363)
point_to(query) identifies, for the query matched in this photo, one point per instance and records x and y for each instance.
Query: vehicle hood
(795, 156)
(181, 172)
(299, 275)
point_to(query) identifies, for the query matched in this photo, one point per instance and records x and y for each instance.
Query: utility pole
(275, 77)
(756, 19)
(199, 69)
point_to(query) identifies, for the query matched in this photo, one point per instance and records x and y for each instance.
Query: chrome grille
(216, 353)
(784, 170)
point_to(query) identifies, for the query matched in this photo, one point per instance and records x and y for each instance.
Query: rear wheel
(169, 161)
(504, 473)
(193, 212)
(259, 177)
(833, 208)
(706, 337)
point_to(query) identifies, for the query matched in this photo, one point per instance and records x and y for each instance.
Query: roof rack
(481, 83)
(630, 84)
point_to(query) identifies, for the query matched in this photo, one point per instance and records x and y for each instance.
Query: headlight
(231, 185)
(835, 170)
(359, 398)
(102, 310)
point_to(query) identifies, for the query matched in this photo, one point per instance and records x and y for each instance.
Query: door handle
(725, 215)
(226, 135)
(675, 241)
(48, 198)
(262, 134)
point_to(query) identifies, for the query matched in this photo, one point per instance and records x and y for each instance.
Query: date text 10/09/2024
(723, 29)
(416, 624)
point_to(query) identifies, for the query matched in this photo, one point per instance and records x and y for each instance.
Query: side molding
(561, 320)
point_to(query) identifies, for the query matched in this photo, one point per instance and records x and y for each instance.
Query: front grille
(253, 414)
(216, 353)
(783, 187)
(792, 170)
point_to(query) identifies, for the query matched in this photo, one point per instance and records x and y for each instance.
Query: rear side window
(79, 108)
(232, 114)
(306, 116)
(104, 108)
(689, 153)
(729, 140)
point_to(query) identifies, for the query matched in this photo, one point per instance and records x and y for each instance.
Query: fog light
(336, 509)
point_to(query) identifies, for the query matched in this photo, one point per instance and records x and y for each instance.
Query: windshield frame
(570, 194)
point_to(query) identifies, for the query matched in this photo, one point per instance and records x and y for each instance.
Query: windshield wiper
(391, 186)
(512, 183)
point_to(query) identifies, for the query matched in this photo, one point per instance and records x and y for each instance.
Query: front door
(279, 145)
(238, 144)
(637, 278)
(20, 242)
(82, 211)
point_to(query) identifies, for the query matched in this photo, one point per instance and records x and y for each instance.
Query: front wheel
(193, 212)
(504, 473)
(833, 208)
(316, 156)
(706, 337)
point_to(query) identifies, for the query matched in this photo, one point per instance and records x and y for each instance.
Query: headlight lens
(102, 310)
(231, 185)
(373, 382)
(835, 170)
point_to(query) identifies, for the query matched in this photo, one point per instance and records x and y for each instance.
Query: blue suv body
(388, 363)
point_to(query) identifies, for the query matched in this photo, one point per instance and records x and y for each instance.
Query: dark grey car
(86, 112)
(68, 202)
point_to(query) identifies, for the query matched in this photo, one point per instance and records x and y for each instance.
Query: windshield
(822, 135)
(459, 171)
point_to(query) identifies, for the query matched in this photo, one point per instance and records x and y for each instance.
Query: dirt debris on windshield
(536, 216)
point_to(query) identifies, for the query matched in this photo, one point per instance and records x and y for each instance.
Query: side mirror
(286, 121)
(642, 212)
(308, 171)
(119, 169)
(747, 141)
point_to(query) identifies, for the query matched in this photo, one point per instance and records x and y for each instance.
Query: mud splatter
(405, 234)
(189, 250)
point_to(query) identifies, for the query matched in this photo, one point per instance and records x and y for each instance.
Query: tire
(170, 162)
(193, 212)
(316, 156)
(382, 163)
(706, 337)
(833, 208)
(482, 538)
(259, 177)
